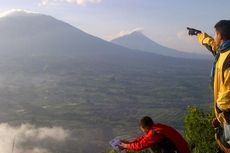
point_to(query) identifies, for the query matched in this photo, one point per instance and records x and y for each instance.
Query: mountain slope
(139, 41)
(40, 32)
(36, 34)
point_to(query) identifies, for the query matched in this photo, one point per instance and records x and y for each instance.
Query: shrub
(199, 132)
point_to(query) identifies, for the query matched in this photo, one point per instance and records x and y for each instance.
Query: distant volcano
(137, 40)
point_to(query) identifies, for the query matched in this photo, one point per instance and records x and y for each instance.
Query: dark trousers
(165, 146)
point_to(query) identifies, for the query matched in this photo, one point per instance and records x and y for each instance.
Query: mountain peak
(136, 36)
(132, 35)
(17, 12)
(136, 33)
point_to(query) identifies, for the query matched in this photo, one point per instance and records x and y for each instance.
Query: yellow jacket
(221, 77)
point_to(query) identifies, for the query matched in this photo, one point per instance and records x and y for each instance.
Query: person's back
(172, 140)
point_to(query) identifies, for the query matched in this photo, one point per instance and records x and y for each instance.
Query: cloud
(183, 35)
(30, 139)
(124, 33)
(180, 40)
(14, 11)
(78, 2)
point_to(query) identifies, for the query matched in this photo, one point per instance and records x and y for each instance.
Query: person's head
(222, 31)
(146, 123)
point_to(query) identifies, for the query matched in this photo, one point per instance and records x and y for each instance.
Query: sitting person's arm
(143, 142)
(137, 139)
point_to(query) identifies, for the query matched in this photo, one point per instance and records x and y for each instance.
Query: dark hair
(223, 26)
(146, 122)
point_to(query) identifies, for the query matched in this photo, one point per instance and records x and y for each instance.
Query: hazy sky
(164, 21)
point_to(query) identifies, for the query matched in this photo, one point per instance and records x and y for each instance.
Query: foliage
(199, 131)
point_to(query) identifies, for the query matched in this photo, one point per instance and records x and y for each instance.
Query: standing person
(219, 46)
(159, 138)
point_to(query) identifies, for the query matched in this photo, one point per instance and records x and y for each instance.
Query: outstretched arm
(208, 42)
(143, 142)
(204, 39)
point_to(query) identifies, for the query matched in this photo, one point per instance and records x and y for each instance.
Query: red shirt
(155, 135)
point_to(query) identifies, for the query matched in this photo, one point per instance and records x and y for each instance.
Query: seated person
(158, 137)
